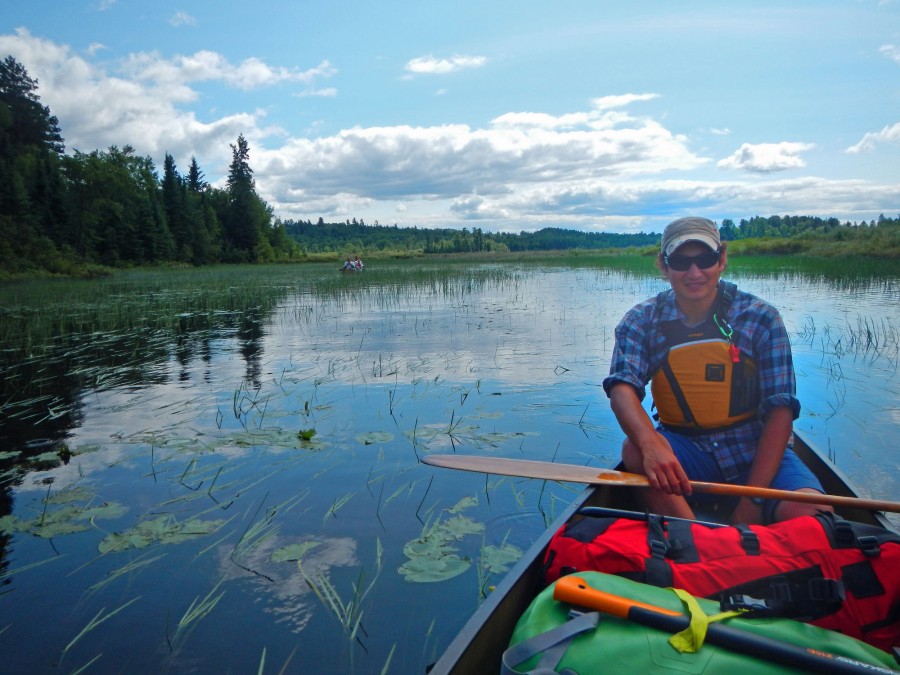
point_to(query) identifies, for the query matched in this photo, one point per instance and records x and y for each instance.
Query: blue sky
(503, 115)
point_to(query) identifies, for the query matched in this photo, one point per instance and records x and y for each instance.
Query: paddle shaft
(575, 591)
(584, 474)
(794, 496)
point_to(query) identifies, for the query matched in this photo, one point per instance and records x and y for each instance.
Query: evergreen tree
(244, 218)
(174, 197)
(195, 177)
(30, 181)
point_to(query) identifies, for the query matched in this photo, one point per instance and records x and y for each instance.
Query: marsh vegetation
(217, 469)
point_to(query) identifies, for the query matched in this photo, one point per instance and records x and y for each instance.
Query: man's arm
(775, 435)
(658, 462)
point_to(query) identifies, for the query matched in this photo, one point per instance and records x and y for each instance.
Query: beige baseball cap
(683, 230)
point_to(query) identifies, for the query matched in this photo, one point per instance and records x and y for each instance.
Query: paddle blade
(526, 468)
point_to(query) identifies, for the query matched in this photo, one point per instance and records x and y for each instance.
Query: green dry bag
(552, 638)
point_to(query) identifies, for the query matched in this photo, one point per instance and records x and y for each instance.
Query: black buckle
(658, 549)
(843, 534)
(749, 542)
(869, 545)
(826, 590)
(728, 603)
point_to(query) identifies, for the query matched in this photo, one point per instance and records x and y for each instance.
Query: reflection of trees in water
(47, 366)
(250, 334)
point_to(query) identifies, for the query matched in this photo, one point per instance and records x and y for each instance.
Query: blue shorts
(793, 474)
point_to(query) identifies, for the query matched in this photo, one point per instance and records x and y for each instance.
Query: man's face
(694, 285)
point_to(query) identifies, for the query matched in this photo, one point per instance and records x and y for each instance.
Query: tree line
(110, 207)
(323, 237)
(881, 237)
(66, 213)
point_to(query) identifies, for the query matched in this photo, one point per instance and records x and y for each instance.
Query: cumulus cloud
(620, 100)
(454, 161)
(430, 65)
(891, 51)
(205, 65)
(182, 19)
(601, 166)
(767, 157)
(147, 113)
(889, 134)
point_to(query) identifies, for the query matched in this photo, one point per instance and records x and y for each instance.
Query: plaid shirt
(758, 331)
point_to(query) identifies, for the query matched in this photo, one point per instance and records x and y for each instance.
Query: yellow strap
(691, 638)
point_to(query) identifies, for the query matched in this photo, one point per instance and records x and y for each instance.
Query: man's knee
(788, 510)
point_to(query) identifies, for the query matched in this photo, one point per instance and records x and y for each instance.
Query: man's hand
(663, 469)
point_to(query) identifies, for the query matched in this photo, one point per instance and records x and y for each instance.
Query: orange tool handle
(574, 590)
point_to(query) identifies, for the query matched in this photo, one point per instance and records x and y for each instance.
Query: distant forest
(881, 236)
(81, 213)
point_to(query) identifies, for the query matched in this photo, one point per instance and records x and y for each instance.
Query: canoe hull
(480, 644)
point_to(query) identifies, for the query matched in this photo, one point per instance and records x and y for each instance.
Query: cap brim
(701, 238)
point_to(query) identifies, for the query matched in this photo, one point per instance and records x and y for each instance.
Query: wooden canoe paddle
(573, 473)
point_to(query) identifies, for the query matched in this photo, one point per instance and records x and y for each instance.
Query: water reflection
(186, 396)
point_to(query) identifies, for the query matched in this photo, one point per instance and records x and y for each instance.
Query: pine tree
(248, 216)
(31, 210)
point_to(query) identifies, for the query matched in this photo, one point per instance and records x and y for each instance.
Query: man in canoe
(722, 381)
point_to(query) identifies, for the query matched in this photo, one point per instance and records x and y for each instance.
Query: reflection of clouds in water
(519, 340)
(283, 586)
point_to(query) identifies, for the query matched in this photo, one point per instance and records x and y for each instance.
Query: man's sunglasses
(682, 263)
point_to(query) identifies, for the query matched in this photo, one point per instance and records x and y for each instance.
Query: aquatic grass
(337, 504)
(349, 614)
(87, 665)
(98, 619)
(6, 574)
(260, 530)
(197, 610)
(126, 569)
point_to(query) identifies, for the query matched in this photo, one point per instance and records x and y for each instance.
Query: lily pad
(460, 526)
(69, 495)
(66, 520)
(497, 560)
(432, 556)
(373, 437)
(429, 570)
(462, 504)
(294, 552)
(165, 530)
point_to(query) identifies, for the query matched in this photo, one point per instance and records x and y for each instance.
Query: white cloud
(206, 65)
(429, 65)
(621, 100)
(328, 92)
(600, 167)
(182, 19)
(891, 51)
(767, 157)
(889, 134)
(144, 112)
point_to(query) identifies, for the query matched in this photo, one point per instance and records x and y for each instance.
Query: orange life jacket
(705, 383)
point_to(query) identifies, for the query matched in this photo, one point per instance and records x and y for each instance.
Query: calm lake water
(218, 470)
